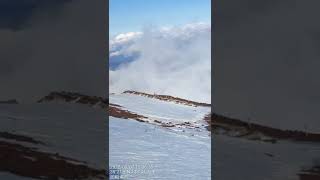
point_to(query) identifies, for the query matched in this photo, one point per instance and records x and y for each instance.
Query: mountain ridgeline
(217, 124)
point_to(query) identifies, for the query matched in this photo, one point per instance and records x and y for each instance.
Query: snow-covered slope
(159, 137)
(172, 142)
(160, 110)
(252, 151)
(236, 158)
(52, 140)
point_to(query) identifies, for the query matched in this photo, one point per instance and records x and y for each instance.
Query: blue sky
(133, 15)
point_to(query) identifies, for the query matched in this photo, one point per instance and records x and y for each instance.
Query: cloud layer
(170, 60)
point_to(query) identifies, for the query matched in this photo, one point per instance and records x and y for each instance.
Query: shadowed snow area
(252, 160)
(66, 130)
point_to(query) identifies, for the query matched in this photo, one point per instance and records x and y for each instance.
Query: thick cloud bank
(173, 60)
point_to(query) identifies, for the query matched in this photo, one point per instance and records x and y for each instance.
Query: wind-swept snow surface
(252, 151)
(151, 150)
(157, 153)
(252, 160)
(159, 110)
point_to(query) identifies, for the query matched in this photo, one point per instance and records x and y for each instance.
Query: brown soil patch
(29, 162)
(311, 174)
(22, 138)
(169, 98)
(75, 97)
(116, 111)
(116, 105)
(10, 101)
(228, 124)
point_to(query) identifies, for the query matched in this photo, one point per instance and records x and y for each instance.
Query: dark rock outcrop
(10, 101)
(75, 98)
(169, 98)
(236, 128)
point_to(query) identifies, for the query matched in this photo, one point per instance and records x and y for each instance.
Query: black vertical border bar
(107, 66)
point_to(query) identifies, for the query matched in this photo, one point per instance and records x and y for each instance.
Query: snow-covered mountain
(172, 135)
(165, 136)
(152, 136)
(147, 133)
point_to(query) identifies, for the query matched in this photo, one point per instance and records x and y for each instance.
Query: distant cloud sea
(168, 60)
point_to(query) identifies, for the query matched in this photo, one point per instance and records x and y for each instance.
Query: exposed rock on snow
(75, 98)
(169, 98)
(116, 111)
(237, 128)
(10, 101)
(31, 162)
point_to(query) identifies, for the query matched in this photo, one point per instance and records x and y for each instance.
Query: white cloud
(121, 39)
(173, 60)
